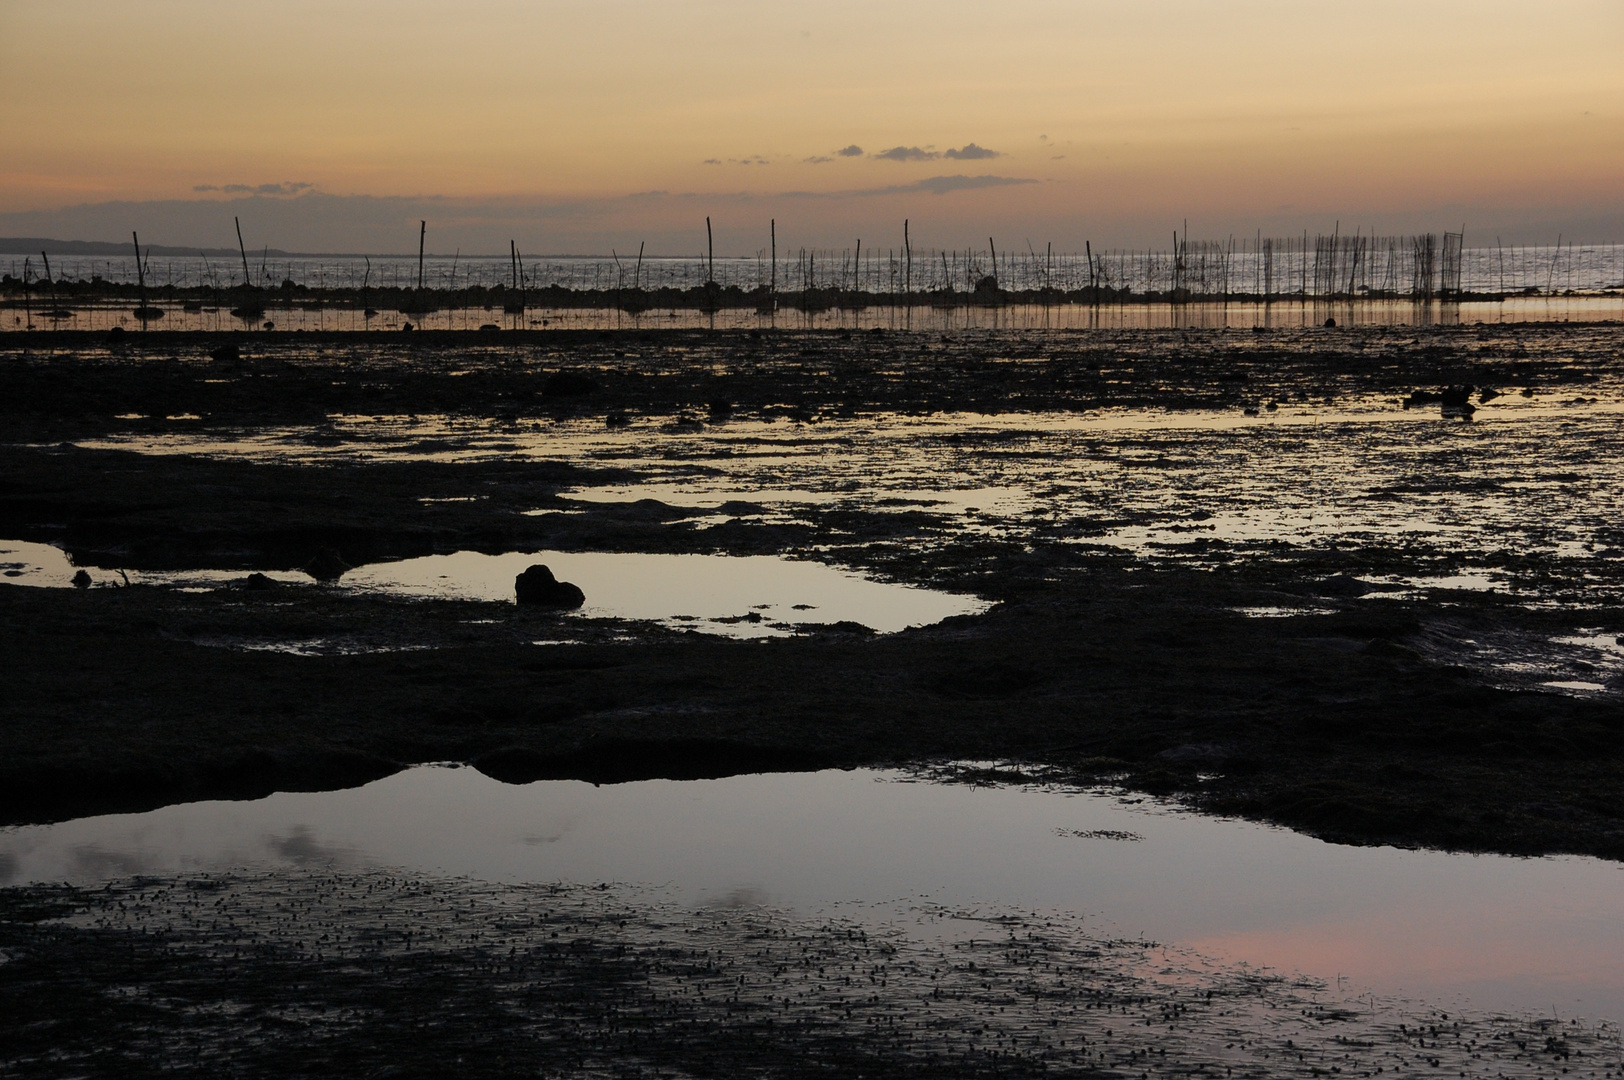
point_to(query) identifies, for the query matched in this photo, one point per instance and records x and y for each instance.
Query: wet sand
(1390, 697)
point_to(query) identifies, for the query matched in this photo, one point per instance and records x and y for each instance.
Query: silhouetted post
(513, 265)
(140, 281)
(772, 268)
(907, 255)
(857, 268)
(994, 260)
(243, 251)
(422, 235)
(637, 275)
(710, 257)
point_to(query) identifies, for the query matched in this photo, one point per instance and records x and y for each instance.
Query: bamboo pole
(242, 250)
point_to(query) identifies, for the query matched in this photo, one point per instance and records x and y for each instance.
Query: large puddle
(744, 596)
(1530, 935)
(739, 596)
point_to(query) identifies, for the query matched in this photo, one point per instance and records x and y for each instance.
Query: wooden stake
(422, 234)
(907, 248)
(710, 248)
(242, 251)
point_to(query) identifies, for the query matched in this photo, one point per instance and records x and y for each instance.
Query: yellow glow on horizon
(1228, 108)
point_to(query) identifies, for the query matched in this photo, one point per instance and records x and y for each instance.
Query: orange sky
(1120, 119)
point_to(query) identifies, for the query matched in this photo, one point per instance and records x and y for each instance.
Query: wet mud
(1377, 624)
(312, 972)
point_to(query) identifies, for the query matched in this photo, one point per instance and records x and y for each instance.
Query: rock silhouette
(326, 565)
(538, 586)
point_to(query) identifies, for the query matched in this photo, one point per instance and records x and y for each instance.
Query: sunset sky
(577, 126)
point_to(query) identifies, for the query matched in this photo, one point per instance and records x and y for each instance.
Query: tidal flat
(1279, 576)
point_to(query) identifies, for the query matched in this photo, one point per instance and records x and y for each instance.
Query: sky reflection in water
(1528, 934)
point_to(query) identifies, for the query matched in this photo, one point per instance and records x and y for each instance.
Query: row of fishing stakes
(1326, 267)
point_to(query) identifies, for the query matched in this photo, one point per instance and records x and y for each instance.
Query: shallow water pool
(1530, 935)
(742, 596)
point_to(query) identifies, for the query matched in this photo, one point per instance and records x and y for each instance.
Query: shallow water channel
(933, 860)
(739, 596)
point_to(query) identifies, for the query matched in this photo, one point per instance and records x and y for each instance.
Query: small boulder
(257, 582)
(226, 354)
(327, 565)
(538, 586)
(81, 580)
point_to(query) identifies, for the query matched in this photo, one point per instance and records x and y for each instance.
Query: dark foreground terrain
(1421, 718)
(306, 973)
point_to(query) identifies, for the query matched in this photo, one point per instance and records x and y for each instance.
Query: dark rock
(614, 761)
(486, 328)
(1453, 397)
(406, 326)
(1344, 585)
(616, 419)
(1330, 324)
(538, 586)
(226, 354)
(258, 582)
(81, 580)
(327, 565)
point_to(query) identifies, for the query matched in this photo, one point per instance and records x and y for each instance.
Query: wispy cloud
(941, 185)
(850, 151)
(972, 152)
(818, 159)
(906, 153)
(287, 187)
(935, 185)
